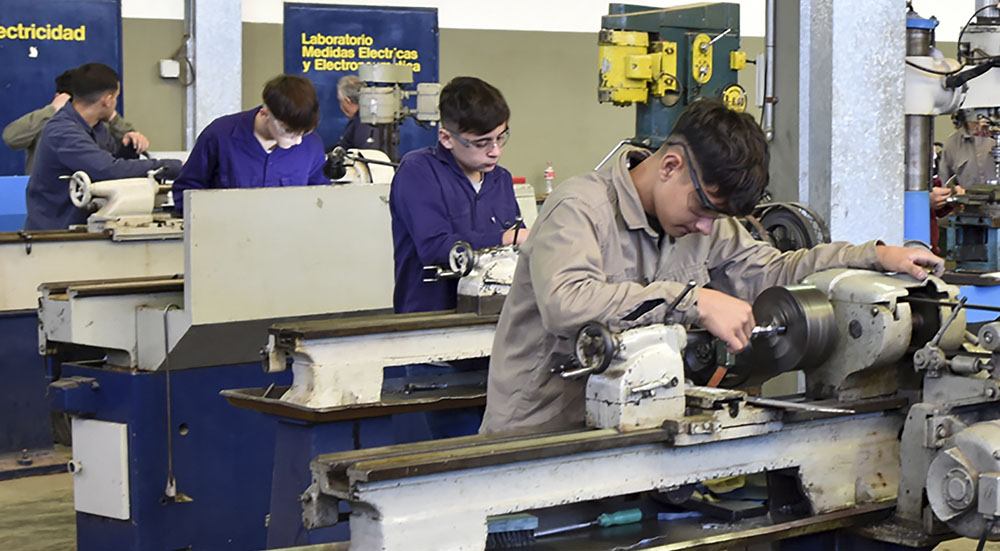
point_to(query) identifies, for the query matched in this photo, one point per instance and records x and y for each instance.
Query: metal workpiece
(340, 362)
(809, 334)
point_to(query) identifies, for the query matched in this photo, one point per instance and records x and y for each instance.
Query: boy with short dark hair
(632, 234)
(454, 191)
(74, 139)
(23, 133)
(271, 145)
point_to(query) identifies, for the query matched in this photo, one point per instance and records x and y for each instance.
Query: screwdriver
(628, 516)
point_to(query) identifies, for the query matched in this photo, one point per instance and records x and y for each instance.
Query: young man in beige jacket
(612, 242)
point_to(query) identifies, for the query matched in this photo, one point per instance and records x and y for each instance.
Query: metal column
(850, 116)
(215, 47)
(919, 135)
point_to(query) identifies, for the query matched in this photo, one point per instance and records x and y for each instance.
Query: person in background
(618, 245)
(23, 133)
(357, 135)
(272, 145)
(967, 153)
(453, 191)
(939, 194)
(74, 139)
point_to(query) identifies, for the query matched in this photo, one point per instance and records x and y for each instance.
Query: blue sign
(39, 39)
(326, 42)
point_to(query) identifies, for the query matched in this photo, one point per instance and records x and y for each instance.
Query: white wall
(952, 14)
(515, 15)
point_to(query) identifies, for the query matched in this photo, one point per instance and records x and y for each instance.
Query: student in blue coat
(74, 139)
(268, 146)
(453, 191)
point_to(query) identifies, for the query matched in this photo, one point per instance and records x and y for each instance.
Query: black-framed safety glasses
(705, 203)
(483, 144)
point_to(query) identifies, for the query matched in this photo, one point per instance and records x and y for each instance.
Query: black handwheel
(461, 258)
(595, 347)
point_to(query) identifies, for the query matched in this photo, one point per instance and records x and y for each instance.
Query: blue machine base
(986, 296)
(223, 459)
(917, 216)
(24, 408)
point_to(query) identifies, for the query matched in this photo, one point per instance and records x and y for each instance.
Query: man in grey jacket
(620, 243)
(967, 153)
(23, 132)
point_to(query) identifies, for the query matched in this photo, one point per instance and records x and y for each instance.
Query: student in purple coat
(268, 146)
(453, 191)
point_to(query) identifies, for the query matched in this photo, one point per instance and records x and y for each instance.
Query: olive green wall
(154, 105)
(549, 80)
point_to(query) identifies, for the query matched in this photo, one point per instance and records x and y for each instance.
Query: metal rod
(947, 323)
(767, 330)
(768, 108)
(951, 303)
(608, 156)
(684, 292)
(784, 404)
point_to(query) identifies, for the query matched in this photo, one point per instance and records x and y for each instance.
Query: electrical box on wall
(170, 68)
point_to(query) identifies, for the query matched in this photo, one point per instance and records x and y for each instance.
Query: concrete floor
(38, 516)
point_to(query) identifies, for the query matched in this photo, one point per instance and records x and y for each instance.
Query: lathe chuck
(810, 329)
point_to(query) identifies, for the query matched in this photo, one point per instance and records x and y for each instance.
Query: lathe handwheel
(595, 347)
(810, 328)
(79, 189)
(461, 258)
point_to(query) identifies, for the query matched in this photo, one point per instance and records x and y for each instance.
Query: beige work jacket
(592, 255)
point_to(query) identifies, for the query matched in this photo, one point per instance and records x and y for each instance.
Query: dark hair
(730, 149)
(292, 100)
(64, 82)
(92, 81)
(471, 105)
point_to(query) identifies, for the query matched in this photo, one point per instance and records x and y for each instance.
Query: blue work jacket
(69, 144)
(433, 205)
(356, 135)
(228, 155)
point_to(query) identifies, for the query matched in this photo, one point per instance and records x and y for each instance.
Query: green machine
(662, 59)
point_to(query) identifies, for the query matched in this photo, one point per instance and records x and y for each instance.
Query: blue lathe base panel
(24, 409)
(222, 459)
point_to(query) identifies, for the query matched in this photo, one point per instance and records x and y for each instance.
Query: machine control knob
(989, 336)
